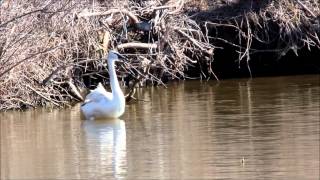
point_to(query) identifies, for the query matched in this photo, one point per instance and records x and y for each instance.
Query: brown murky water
(264, 128)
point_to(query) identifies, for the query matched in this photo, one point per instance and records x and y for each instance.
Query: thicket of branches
(256, 27)
(51, 50)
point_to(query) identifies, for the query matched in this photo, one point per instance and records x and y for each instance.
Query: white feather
(102, 104)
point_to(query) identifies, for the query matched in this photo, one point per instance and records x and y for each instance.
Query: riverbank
(51, 51)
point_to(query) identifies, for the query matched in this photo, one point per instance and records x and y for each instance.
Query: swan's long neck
(115, 87)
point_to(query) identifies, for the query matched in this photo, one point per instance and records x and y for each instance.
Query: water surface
(264, 128)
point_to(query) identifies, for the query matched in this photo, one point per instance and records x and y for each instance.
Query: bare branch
(111, 11)
(137, 45)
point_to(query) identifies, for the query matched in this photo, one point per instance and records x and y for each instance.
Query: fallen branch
(306, 8)
(137, 45)
(40, 94)
(74, 89)
(111, 11)
(207, 50)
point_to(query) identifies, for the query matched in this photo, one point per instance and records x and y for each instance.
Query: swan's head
(113, 56)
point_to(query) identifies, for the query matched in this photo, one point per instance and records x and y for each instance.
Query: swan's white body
(102, 104)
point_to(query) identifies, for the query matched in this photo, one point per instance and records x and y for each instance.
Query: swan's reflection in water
(106, 140)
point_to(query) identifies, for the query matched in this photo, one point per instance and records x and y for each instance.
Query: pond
(262, 128)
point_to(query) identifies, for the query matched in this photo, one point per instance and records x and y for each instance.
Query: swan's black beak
(121, 58)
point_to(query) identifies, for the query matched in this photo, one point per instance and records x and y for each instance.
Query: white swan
(102, 104)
